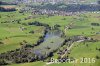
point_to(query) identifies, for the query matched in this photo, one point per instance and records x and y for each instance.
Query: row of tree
(36, 23)
(95, 24)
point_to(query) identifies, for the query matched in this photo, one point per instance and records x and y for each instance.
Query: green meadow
(11, 34)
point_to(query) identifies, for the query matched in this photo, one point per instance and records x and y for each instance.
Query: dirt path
(69, 48)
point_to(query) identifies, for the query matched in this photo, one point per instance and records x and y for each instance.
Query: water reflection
(52, 34)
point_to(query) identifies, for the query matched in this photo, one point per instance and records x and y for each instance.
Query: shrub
(1, 42)
(95, 24)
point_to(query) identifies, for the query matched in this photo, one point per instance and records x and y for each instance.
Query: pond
(52, 33)
(52, 41)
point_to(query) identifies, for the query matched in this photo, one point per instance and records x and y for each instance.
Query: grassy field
(87, 50)
(81, 23)
(29, 64)
(11, 34)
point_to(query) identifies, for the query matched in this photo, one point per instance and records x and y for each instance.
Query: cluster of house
(53, 12)
(55, 1)
(49, 12)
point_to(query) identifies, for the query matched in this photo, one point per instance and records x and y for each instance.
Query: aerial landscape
(49, 32)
